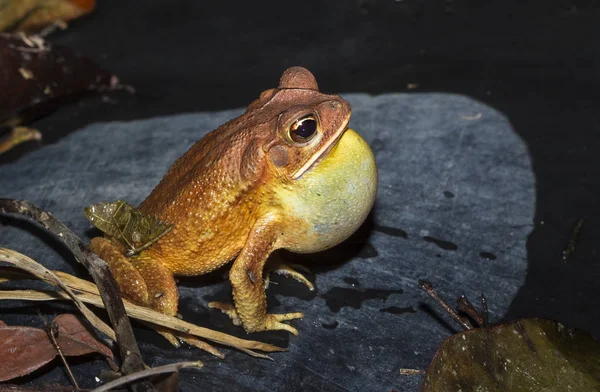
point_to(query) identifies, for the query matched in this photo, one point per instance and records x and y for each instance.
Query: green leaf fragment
(123, 221)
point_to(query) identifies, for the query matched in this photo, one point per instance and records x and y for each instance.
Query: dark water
(339, 297)
(398, 310)
(446, 245)
(487, 255)
(393, 231)
(333, 325)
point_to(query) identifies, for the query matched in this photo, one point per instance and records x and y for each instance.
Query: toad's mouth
(322, 152)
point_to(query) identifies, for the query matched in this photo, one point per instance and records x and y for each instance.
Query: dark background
(538, 63)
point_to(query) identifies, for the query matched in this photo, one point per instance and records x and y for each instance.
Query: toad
(286, 174)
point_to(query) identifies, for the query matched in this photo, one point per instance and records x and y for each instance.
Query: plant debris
(88, 293)
(105, 294)
(17, 136)
(26, 264)
(31, 348)
(130, 354)
(126, 223)
(36, 77)
(520, 356)
(33, 15)
(171, 368)
(572, 240)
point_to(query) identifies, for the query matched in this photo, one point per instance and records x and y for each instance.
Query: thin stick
(52, 331)
(411, 372)
(171, 368)
(128, 348)
(29, 388)
(428, 288)
(571, 245)
(465, 306)
(484, 310)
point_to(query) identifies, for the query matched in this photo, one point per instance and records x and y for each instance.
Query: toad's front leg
(248, 284)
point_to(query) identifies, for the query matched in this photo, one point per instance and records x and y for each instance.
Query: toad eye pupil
(304, 129)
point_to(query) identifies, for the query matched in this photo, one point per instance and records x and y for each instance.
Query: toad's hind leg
(128, 278)
(248, 284)
(141, 280)
(149, 283)
(162, 290)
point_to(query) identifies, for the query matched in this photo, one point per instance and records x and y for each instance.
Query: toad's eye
(303, 129)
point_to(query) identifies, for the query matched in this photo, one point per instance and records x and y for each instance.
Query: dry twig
(174, 367)
(52, 331)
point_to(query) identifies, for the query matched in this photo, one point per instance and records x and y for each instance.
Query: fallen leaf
(71, 326)
(33, 15)
(126, 223)
(35, 72)
(30, 348)
(525, 355)
(98, 269)
(528, 355)
(36, 77)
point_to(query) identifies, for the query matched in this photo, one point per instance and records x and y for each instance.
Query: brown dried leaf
(71, 326)
(126, 223)
(36, 76)
(30, 348)
(34, 15)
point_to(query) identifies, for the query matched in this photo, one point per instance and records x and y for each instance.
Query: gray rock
(455, 206)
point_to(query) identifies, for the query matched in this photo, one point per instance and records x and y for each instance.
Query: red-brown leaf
(30, 348)
(71, 331)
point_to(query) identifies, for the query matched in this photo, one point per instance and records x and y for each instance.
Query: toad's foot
(290, 271)
(174, 338)
(228, 309)
(271, 322)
